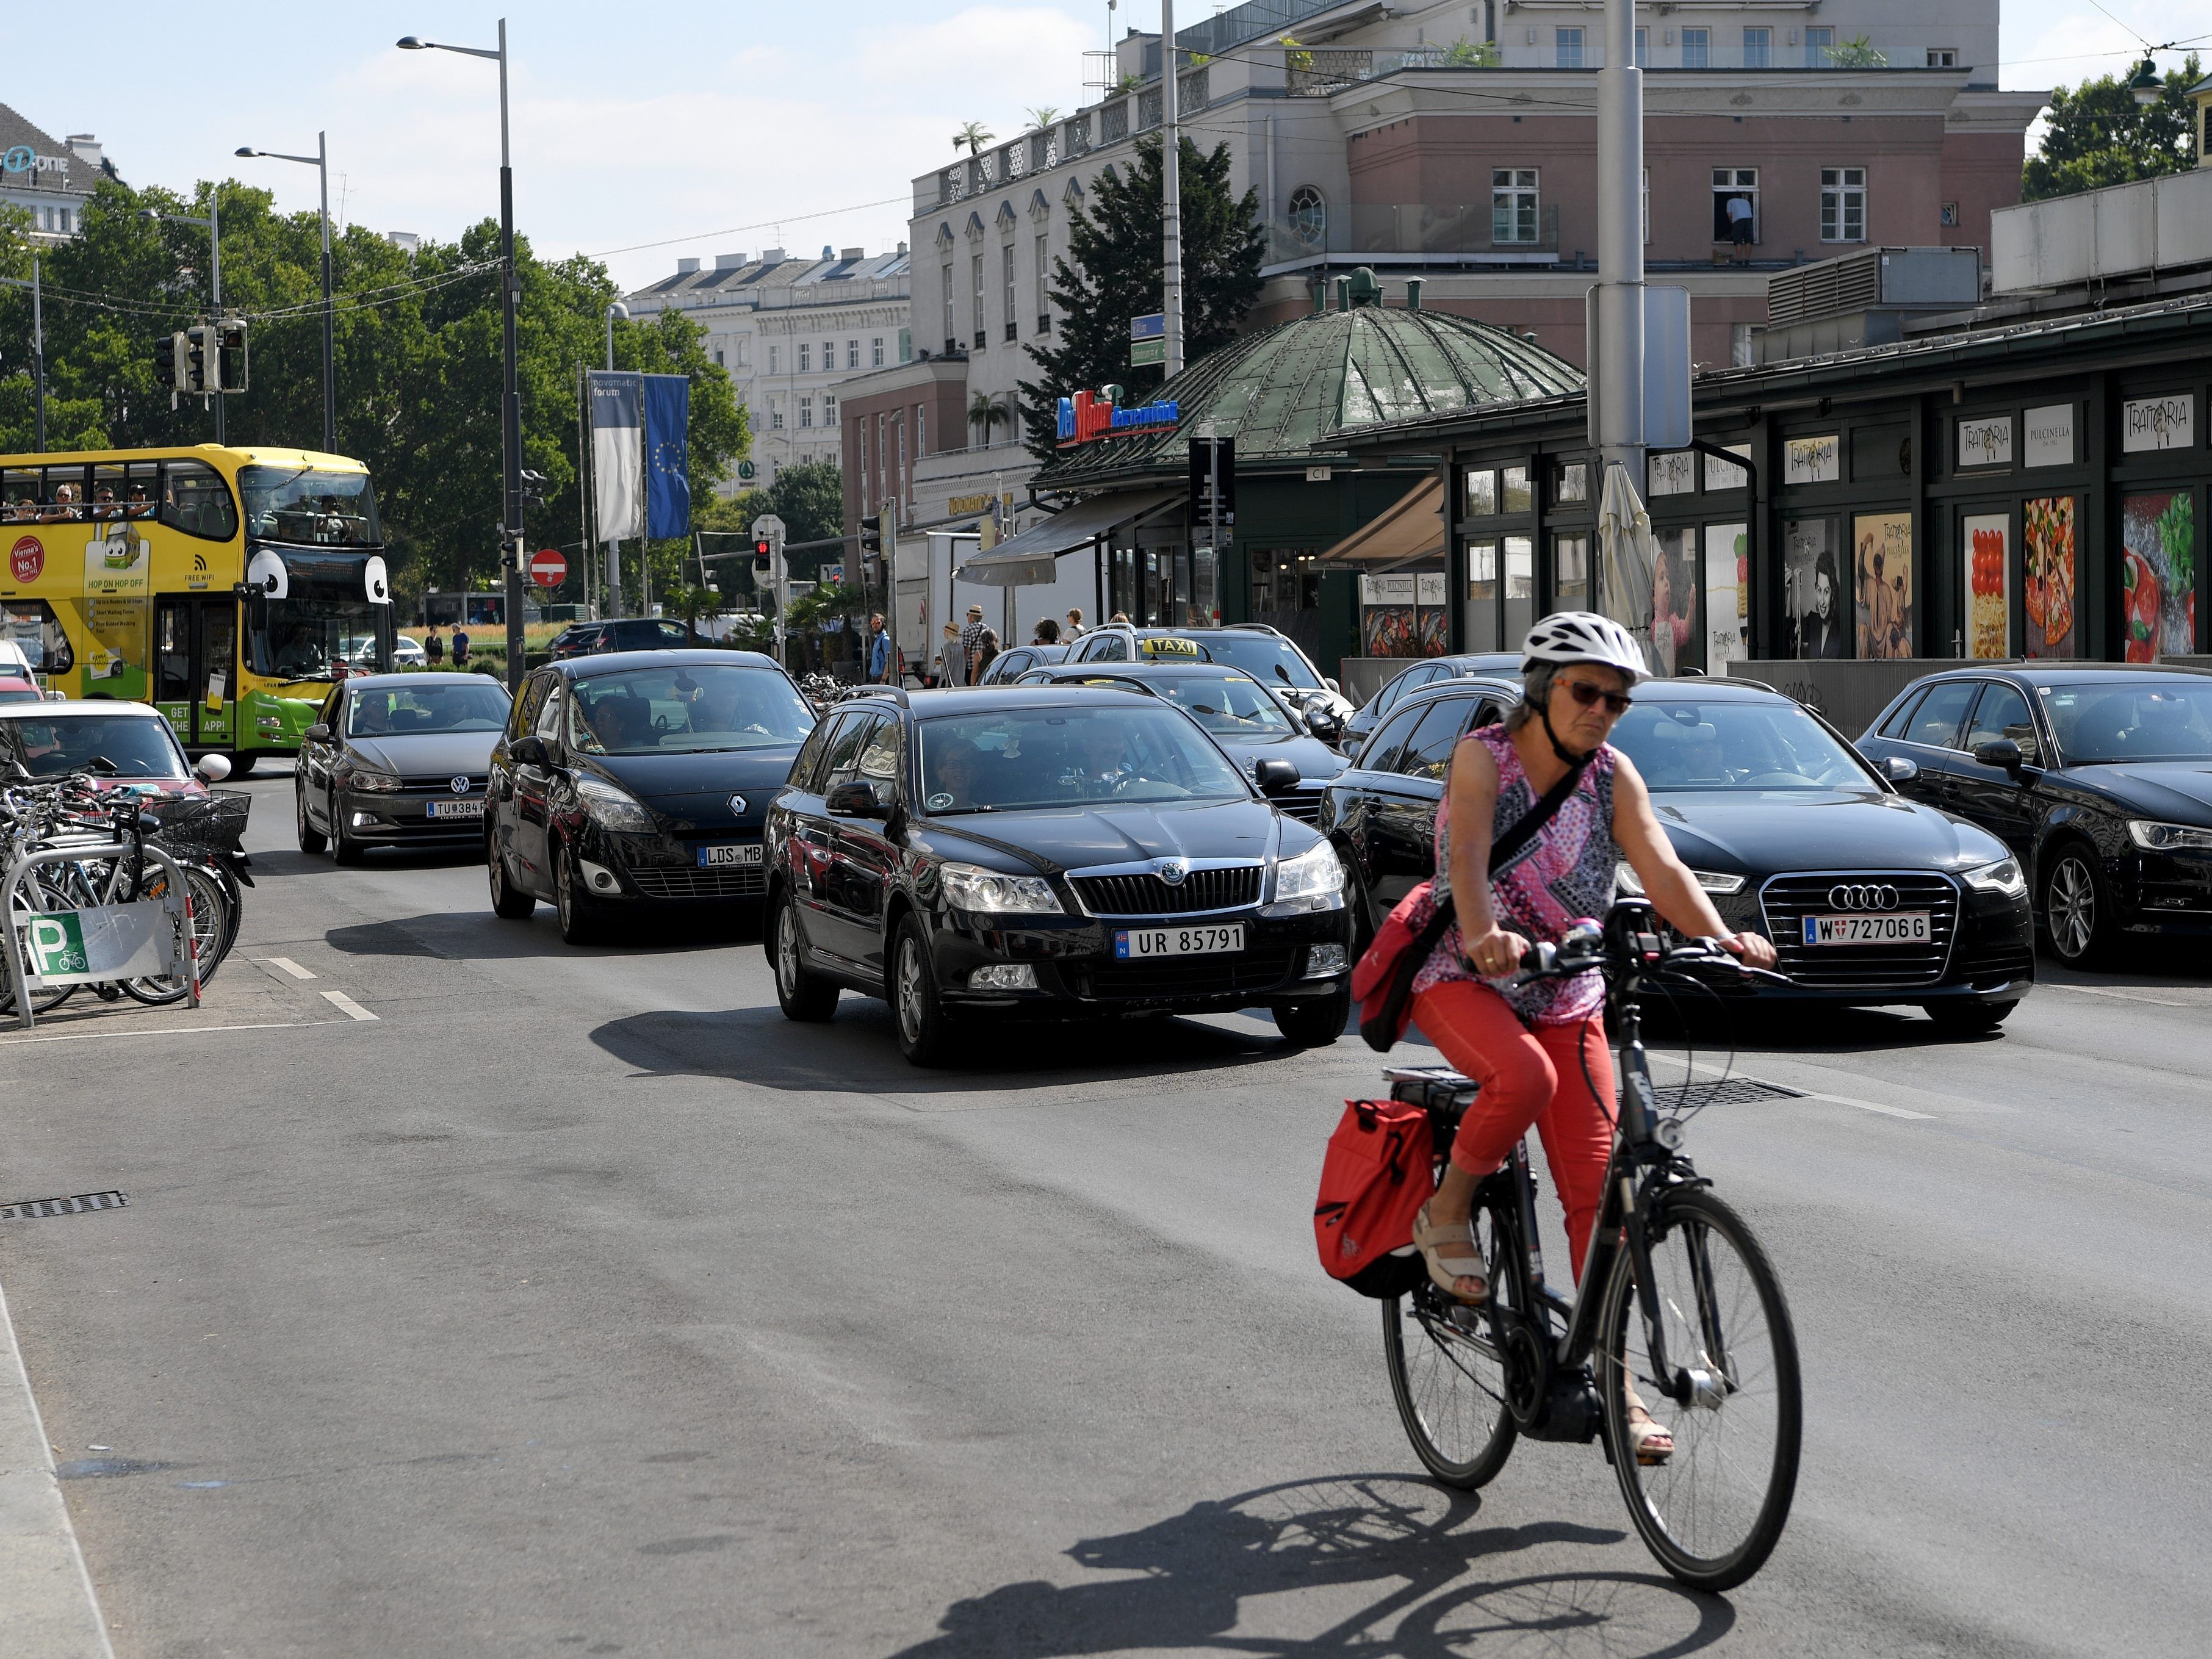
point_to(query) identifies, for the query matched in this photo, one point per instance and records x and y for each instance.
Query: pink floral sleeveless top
(1565, 872)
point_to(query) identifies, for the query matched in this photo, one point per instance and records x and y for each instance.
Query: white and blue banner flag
(667, 455)
(618, 454)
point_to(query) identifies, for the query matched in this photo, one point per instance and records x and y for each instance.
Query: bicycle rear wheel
(213, 929)
(1446, 1373)
(1712, 1511)
(40, 890)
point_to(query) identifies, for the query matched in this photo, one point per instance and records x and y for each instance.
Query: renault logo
(1172, 871)
(461, 785)
(737, 805)
(1846, 896)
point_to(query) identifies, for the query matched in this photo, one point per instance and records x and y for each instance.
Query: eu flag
(667, 455)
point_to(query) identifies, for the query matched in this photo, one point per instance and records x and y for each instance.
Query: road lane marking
(1871, 1106)
(166, 1031)
(347, 1005)
(290, 967)
(2124, 994)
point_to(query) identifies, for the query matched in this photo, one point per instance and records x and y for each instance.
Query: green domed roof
(1291, 391)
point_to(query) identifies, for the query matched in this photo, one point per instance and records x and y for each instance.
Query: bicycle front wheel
(1713, 1510)
(1446, 1372)
(213, 929)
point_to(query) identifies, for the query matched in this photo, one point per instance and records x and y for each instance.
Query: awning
(1413, 529)
(1028, 560)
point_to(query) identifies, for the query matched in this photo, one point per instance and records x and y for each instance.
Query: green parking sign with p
(58, 945)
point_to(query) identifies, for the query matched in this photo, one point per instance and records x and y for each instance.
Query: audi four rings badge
(1848, 895)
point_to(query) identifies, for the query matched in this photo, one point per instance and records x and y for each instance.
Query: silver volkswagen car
(398, 760)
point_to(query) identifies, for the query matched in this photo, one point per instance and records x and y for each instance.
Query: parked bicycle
(1680, 1312)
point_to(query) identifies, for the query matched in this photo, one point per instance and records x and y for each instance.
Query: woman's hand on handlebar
(1494, 952)
(1754, 948)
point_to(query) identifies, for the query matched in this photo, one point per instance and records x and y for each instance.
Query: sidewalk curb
(47, 1605)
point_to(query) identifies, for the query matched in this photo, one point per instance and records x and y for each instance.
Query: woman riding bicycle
(1539, 1050)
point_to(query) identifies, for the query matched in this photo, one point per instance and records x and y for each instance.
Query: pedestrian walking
(971, 637)
(434, 648)
(951, 658)
(985, 653)
(1048, 632)
(880, 651)
(1074, 629)
(460, 646)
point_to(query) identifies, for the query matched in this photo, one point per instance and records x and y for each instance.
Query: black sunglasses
(1616, 702)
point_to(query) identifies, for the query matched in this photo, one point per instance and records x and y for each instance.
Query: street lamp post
(510, 289)
(320, 162)
(213, 225)
(615, 313)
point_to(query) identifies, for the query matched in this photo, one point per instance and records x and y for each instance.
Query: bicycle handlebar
(1589, 945)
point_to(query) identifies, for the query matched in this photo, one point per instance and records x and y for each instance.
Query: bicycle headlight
(988, 892)
(2002, 876)
(1314, 880)
(2154, 837)
(611, 808)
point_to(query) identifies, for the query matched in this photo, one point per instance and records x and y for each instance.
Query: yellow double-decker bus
(229, 587)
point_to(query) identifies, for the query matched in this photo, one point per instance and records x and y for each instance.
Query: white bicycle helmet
(1583, 636)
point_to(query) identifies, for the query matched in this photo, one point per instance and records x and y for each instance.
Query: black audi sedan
(638, 781)
(396, 760)
(1871, 899)
(1238, 712)
(1419, 676)
(1045, 852)
(2097, 775)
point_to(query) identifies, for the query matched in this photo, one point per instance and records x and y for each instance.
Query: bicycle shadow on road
(1377, 1565)
(856, 1053)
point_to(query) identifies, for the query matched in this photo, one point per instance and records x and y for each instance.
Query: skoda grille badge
(1172, 871)
(1848, 895)
(461, 785)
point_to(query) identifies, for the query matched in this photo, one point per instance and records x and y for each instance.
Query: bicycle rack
(119, 940)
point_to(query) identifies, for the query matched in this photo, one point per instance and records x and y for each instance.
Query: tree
(1464, 53)
(1043, 116)
(973, 134)
(2098, 135)
(1115, 241)
(986, 411)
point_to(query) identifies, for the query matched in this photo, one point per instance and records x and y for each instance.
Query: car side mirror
(1275, 776)
(528, 751)
(855, 800)
(1333, 686)
(212, 768)
(318, 732)
(2001, 751)
(1899, 768)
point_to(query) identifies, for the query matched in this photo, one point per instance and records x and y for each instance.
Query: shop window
(1513, 495)
(1570, 572)
(1571, 484)
(1481, 494)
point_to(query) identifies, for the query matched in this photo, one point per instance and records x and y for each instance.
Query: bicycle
(1680, 1311)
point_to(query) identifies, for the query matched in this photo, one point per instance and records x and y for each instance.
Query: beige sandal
(1653, 1443)
(1452, 1255)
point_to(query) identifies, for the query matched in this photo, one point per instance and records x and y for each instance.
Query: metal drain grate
(1729, 1091)
(31, 1209)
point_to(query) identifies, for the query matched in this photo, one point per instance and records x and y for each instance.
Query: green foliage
(1464, 53)
(1858, 52)
(972, 136)
(417, 363)
(1115, 241)
(2099, 134)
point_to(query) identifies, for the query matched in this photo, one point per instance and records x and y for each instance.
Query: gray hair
(1535, 691)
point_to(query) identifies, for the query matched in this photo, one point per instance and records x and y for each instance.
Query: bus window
(195, 500)
(110, 489)
(32, 624)
(61, 499)
(19, 495)
(307, 507)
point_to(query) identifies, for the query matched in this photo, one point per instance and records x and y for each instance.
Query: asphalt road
(575, 1302)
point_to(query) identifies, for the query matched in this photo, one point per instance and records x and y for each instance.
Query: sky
(691, 131)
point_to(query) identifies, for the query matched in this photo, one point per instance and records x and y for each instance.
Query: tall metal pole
(39, 356)
(511, 399)
(1620, 361)
(1170, 192)
(215, 239)
(330, 317)
(610, 578)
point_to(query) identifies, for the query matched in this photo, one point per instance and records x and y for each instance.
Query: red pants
(1529, 1078)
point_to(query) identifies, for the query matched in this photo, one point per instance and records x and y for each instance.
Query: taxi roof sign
(1172, 647)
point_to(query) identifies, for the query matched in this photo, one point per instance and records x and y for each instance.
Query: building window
(1819, 44)
(920, 429)
(744, 351)
(1569, 54)
(1513, 204)
(1006, 286)
(718, 358)
(876, 352)
(774, 414)
(774, 354)
(1647, 205)
(952, 340)
(1843, 204)
(1044, 285)
(1309, 211)
(1942, 57)
(805, 353)
(829, 410)
(1758, 47)
(1644, 48)
(1697, 48)
(1732, 185)
(852, 354)
(806, 410)
(828, 356)
(976, 298)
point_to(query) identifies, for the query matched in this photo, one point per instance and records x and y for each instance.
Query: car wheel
(242, 766)
(312, 839)
(2077, 909)
(924, 1033)
(1970, 1019)
(579, 917)
(802, 995)
(1316, 1022)
(344, 849)
(508, 901)
(1355, 901)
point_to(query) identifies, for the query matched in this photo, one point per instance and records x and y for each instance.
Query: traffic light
(202, 363)
(763, 557)
(871, 534)
(230, 356)
(169, 362)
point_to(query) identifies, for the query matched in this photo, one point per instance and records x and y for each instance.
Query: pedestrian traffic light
(202, 363)
(763, 557)
(169, 362)
(871, 534)
(230, 356)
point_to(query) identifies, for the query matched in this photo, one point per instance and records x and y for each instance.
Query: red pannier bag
(1380, 1169)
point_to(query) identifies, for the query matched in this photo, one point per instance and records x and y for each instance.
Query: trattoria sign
(1087, 415)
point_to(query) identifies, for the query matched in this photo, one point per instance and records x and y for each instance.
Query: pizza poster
(1989, 577)
(2046, 538)
(2158, 575)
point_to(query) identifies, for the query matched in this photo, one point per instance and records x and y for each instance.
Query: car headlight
(1713, 881)
(988, 892)
(2155, 837)
(2005, 875)
(370, 781)
(1314, 880)
(611, 808)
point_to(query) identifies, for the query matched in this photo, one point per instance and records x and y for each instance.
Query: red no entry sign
(548, 568)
